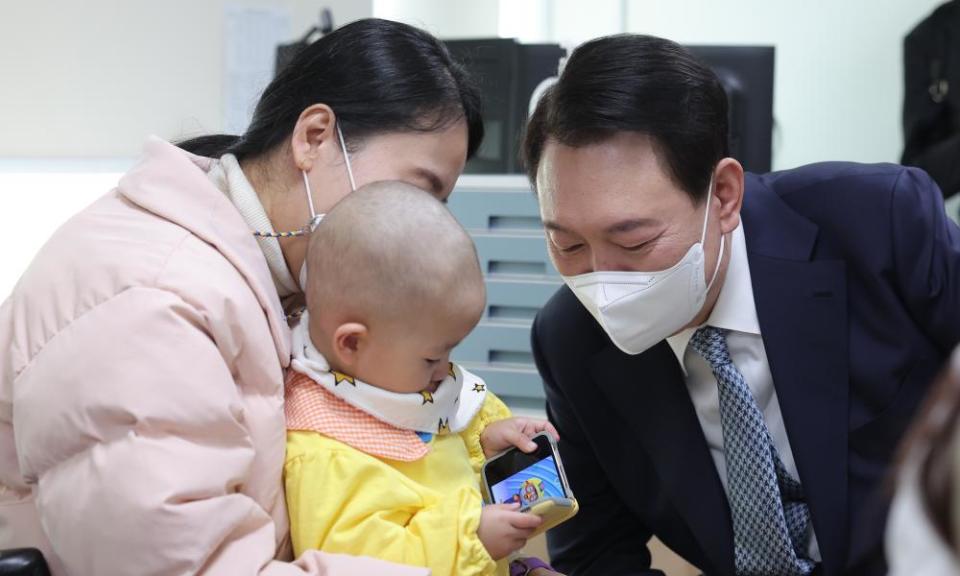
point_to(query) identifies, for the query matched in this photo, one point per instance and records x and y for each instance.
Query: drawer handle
(514, 267)
(509, 357)
(514, 223)
(515, 313)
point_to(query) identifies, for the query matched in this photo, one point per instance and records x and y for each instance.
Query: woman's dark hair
(633, 83)
(378, 76)
(933, 437)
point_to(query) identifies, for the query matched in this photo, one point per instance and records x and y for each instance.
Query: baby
(386, 436)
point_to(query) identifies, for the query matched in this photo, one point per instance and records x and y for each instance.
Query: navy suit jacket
(856, 280)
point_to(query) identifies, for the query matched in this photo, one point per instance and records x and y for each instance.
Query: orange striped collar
(309, 406)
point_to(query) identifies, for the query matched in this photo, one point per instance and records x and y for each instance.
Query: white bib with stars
(450, 409)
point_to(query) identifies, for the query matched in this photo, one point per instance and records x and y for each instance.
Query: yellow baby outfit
(358, 485)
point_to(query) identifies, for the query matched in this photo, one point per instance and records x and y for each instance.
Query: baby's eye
(432, 360)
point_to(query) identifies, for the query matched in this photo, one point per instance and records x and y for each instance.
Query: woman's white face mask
(315, 218)
(639, 309)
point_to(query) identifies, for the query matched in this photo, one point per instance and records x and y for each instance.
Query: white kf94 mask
(639, 309)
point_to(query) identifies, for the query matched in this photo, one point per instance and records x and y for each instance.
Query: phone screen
(525, 478)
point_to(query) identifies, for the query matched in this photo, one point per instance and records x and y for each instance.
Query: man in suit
(734, 357)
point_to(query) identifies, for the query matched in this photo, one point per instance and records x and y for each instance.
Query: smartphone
(527, 478)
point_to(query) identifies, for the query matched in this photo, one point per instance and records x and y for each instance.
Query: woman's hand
(502, 434)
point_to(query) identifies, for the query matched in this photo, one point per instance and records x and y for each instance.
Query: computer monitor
(507, 73)
(747, 76)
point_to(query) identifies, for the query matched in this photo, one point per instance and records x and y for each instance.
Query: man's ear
(728, 188)
(349, 339)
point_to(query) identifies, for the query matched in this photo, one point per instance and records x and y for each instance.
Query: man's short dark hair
(643, 84)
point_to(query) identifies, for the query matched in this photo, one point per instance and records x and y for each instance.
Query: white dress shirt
(735, 312)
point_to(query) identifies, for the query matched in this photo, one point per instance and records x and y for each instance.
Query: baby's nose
(440, 372)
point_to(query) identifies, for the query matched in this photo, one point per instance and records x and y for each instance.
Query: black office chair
(23, 562)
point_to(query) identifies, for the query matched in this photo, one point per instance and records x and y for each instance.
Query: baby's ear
(348, 340)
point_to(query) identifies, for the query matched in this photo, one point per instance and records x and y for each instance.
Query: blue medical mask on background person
(639, 309)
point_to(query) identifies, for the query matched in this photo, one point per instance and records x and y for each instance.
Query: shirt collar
(227, 175)
(735, 309)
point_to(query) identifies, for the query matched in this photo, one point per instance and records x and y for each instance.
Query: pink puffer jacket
(141, 390)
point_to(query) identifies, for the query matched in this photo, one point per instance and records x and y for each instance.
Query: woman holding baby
(143, 353)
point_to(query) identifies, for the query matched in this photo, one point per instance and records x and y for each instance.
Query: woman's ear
(349, 341)
(728, 188)
(315, 127)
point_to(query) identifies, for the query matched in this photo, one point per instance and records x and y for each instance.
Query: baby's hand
(502, 434)
(503, 530)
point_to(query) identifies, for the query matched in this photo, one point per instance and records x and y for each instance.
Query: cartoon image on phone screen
(516, 476)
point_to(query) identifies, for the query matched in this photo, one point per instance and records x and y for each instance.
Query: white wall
(526, 20)
(36, 200)
(839, 74)
(445, 18)
(572, 22)
(92, 78)
(838, 88)
(87, 79)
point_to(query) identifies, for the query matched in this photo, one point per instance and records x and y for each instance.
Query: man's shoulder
(826, 191)
(564, 326)
(827, 177)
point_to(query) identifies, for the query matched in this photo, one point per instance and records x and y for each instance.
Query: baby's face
(412, 356)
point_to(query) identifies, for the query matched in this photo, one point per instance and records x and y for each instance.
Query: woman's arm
(132, 425)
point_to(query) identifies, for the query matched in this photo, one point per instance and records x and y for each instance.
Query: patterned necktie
(771, 521)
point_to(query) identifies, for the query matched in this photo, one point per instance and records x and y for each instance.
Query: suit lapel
(649, 391)
(801, 306)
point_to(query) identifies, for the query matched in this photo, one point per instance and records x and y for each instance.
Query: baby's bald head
(392, 252)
